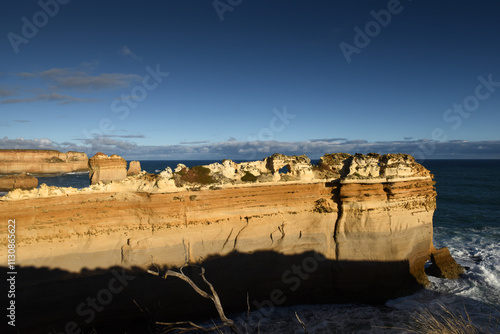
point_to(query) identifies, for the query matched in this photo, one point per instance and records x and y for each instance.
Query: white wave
(479, 251)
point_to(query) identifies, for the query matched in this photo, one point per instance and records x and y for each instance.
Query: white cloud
(243, 150)
(194, 142)
(55, 80)
(6, 92)
(65, 78)
(53, 97)
(125, 51)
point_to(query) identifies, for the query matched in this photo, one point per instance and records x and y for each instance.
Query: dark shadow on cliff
(131, 300)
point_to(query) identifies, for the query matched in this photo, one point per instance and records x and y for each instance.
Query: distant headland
(42, 162)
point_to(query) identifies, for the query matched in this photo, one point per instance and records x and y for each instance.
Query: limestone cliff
(353, 228)
(42, 162)
(134, 168)
(105, 169)
(19, 181)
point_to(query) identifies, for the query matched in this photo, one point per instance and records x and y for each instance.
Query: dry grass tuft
(445, 321)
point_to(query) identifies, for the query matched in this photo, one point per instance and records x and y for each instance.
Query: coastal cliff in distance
(104, 168)
(42, 162)
(21, 181)
(354, 228)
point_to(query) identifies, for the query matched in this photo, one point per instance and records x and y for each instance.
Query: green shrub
(322, 206)
(196, 174)
(248, 177)
(266, 177)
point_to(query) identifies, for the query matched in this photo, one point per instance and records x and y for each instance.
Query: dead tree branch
(213, 296)
(301, 323)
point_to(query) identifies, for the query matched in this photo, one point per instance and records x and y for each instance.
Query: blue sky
(245, 79)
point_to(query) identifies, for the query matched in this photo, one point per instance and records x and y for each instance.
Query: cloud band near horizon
(254, 150)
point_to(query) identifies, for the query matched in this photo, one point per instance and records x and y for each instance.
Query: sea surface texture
(467, 221)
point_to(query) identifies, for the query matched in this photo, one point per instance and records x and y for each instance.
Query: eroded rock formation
(42, 162)
(20, 181)
(105, 169)
(443, 265)
(353, 228)
(134, 168)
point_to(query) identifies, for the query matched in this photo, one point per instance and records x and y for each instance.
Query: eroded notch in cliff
(227, 239)
(335, 185)
(188, 256)
(388, 190)
(126, 252)
(280, 229)
(237, 235)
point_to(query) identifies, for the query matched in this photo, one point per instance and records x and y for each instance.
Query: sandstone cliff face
(134, 168)
(41, 162)
(105, 169)
(21, 181)
(353, 228)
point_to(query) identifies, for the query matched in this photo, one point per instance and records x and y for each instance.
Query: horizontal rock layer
(105, 169)
(41, 162)
(20, 181)
(134, 168)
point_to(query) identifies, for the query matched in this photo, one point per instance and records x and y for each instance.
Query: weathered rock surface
(353, 228)
(42, 162)
(444, 265)
(21, 181)
(105, 169)
(134, 168)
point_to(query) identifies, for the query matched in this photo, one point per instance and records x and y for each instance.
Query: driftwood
(187, 326)
(301, 323)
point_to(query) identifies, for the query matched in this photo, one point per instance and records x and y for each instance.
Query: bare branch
(214, 297)
(301, 323)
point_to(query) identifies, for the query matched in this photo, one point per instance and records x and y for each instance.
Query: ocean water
(467, 221)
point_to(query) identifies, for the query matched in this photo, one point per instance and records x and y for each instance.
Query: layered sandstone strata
(353, 228)
(134, 168)
(105, 169)
(20, 181)
(42, 162)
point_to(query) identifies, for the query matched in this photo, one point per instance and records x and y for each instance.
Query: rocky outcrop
(105, 169)
(134, 168)
(444, 265)
(353, 228)
(21, 181)
(268, 169)
(42, 162)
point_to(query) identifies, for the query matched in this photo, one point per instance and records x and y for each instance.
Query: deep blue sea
(467, 221)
